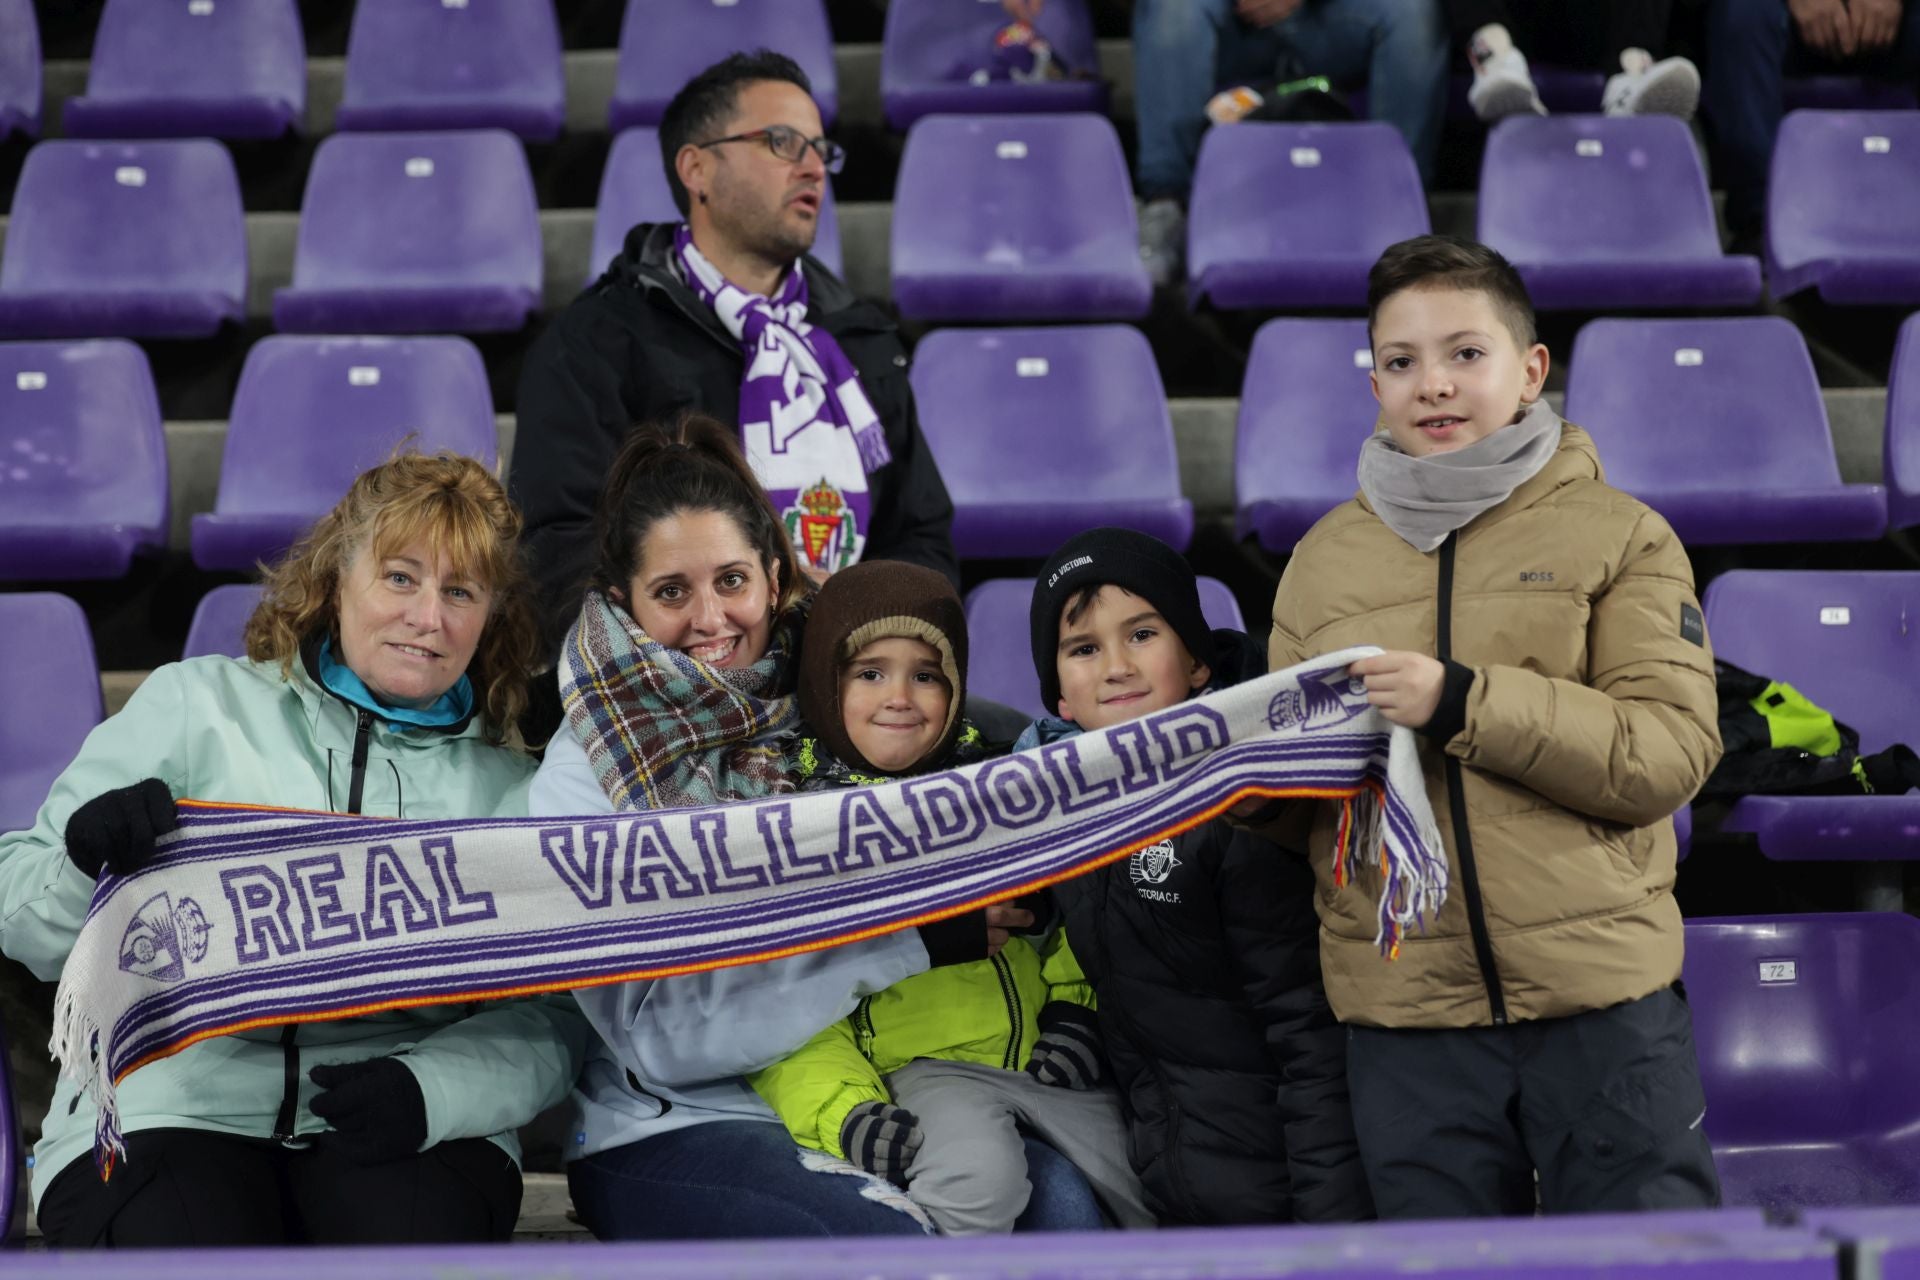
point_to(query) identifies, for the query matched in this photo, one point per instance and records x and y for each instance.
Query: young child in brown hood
(931, 1082)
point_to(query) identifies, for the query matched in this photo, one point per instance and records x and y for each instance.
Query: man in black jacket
(744, 156)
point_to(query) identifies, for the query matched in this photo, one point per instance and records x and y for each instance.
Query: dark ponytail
(692, 465)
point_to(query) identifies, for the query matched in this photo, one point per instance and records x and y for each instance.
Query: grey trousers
(971, 1173)
(1605, 1106)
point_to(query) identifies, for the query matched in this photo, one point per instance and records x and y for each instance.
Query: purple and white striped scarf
(808, 429)
(254, 917)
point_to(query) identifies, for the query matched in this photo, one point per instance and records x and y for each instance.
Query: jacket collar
(324, 705)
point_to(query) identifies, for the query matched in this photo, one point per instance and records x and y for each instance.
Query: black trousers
(192, 1187)
(1577, 33)
(1605, 1106)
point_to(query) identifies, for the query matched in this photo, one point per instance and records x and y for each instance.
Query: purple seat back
(220, 621)
(1603, 211)
(1718, 425)
(1902, 448)
(136, 239)
(1016, 217)
(926, 41)
(1847, 93)
(665, 43)
(1001, 664)
(13, 1188)
(431, 64)
(311, 414)
(1294, 215)
(1840, 198)
(1306, 407)
(83, 459)
(1845, 639)
(415, 232)
(192, 68)
(51, 689)
(633, 189)
(20, 74)
(1043, 433)
(1804, 1030)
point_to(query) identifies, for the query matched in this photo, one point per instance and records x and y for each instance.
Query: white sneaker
(1502, 86)
(1669, 87)
(1163, 241)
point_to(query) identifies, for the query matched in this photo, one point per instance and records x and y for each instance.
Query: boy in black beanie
(932, 1082)
(1203, 950)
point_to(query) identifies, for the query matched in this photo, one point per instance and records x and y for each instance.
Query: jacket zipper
(1457, 807)
(288, 1120)
(1016, 1024)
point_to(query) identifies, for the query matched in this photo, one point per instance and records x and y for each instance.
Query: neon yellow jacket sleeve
(814, 1087)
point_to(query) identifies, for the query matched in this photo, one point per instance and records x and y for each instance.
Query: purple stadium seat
(194, 68)
(1902, 449)
(51, 690)
(1600, 212)
(1683, 832)
(1016, 217)
(1294, 215)
(137, 240)
(310, 414)
(652, 68)
(220, 621)
(1305, 409)
(83, 460)
(20, 75)
(447, 64)
(926, 40)
(13, 1218)
(1841, 194)
(1883, 1242)
(1805, 1030)
(1001, 664)
(1718, 425)
(1847, 640)
(415, 233)
(1847, 93)
(633, 188)
(1042, 433)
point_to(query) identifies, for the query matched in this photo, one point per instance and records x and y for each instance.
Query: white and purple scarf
(256, 917)
(808, 429)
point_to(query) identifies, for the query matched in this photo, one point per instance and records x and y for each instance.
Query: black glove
(957, 939)
(117, 829)
(881, 1138)
(1067, 1055)
(375, 1107)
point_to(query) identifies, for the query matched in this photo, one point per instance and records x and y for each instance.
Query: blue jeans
(1186, 50)
(731, 1179)
(1754, 45)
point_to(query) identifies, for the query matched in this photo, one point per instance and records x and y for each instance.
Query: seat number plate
(1778, 971)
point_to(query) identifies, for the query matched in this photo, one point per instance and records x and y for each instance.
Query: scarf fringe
(76, 1047)
(1412, 887)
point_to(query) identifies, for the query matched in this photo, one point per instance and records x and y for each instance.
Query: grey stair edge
(589, 77)
(1203, 437)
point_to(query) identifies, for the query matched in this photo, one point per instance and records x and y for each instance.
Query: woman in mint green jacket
(386, 665)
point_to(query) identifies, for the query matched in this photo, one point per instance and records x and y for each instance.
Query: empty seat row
(83, 461)
(1718, 424)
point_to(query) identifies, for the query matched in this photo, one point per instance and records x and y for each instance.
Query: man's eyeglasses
(790, 145)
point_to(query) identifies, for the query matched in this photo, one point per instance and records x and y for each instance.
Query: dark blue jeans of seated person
(734, 1179)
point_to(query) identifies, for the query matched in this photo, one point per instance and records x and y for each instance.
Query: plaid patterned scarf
(664, 730)
(808, 429)
(254, 918)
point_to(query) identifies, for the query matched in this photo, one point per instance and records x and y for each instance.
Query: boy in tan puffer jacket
(1544, 638)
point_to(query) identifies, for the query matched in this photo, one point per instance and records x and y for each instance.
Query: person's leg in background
(1641, 81)
(1062, 1198)
(1181, 48)
(725, 1180)
(1502, 82)
(1748, 42)
(1398, 47)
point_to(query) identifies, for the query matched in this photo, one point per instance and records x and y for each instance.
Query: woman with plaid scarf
(678, 687)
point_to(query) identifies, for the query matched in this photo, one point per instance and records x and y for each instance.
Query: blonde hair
(456, 507)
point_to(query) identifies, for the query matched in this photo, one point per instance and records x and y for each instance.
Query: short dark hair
(1450, 262)
(709, 100)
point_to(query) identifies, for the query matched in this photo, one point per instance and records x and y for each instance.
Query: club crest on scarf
(824, 529)
(162, 939)
(1322, 698)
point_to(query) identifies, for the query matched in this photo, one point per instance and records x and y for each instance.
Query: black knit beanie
(879, 600)
(1137, 562)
